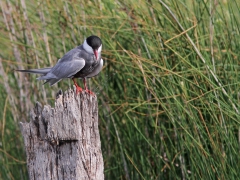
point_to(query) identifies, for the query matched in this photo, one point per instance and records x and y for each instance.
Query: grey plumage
(36, 71)
(83, 62)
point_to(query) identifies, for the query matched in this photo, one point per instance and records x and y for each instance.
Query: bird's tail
(36, 71)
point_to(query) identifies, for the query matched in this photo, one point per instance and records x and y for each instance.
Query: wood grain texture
(63, 142)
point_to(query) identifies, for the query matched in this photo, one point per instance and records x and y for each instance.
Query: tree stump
(63, 142)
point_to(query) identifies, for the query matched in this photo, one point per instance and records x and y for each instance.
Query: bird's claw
(78, 89)
(89, 92)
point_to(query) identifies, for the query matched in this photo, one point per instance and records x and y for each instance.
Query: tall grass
(168, 93)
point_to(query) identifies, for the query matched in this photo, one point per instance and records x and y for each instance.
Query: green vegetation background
(168, 93)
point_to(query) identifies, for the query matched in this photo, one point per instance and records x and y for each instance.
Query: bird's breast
(89, 67)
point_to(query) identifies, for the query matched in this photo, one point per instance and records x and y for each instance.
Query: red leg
(85, 86)
(78, 89)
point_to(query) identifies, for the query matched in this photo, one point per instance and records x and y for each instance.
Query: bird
(82, 62)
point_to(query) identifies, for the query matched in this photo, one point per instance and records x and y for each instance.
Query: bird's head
(93, 45)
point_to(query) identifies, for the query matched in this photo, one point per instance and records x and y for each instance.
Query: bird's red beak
(96, 53)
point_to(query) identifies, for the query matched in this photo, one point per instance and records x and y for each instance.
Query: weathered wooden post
(63, 142)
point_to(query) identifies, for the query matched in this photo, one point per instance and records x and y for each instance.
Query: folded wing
(63, 69)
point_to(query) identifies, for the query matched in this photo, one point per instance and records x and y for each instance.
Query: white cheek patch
(87, 47)
(100, 49)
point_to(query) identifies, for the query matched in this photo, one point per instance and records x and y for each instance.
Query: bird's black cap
(94, 41)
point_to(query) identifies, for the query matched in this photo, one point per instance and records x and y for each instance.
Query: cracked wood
(63, 142)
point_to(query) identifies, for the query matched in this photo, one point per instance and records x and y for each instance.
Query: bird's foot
(78, 89)
(89, 92)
